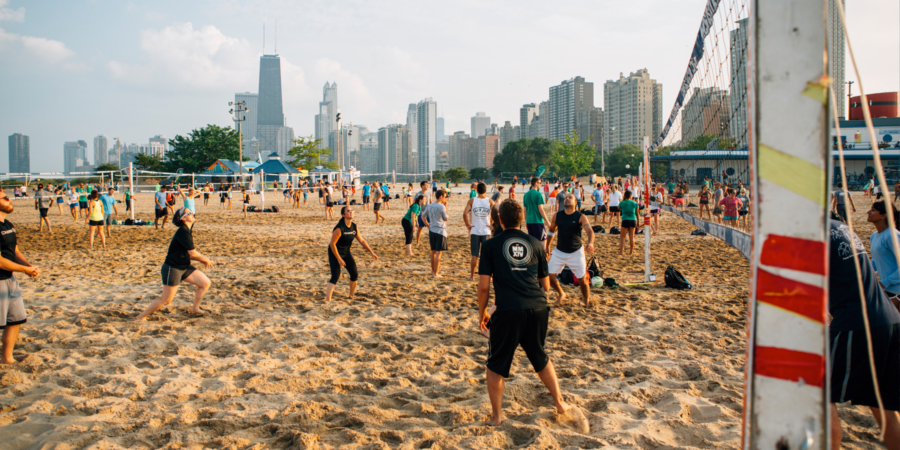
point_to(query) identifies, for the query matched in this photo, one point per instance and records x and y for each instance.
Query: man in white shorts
(567, 225)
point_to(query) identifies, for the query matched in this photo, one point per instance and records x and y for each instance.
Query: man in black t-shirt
(11, 302)
(517, 263)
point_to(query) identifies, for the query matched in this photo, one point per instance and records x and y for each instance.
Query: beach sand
(399, 366)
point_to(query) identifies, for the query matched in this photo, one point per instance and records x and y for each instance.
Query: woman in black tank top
(339, 251)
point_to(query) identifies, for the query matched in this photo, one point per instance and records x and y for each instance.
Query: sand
(399, 366)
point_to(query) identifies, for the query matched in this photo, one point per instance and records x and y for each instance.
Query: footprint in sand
(574, 418)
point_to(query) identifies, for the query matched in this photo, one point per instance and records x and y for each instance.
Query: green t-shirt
(82, 197)
(414, 209)
(127, 196)
(629, 209)
(448, 185)
(532, 200)
(473, 193)
(671, 186)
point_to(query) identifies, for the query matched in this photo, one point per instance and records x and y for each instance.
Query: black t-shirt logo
(517, 251)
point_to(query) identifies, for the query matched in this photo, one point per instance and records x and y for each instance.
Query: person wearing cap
(177, 266)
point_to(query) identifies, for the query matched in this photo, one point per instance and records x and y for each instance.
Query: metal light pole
(849, 88)
(240, 109)
(340, 158)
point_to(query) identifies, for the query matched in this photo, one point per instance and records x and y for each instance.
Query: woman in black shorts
(339, 251)
(246, 199)
(704, 202)
(177, 266)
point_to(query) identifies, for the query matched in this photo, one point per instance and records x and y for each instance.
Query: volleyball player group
(523, 267)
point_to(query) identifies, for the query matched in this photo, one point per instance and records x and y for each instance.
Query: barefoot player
(11, 302)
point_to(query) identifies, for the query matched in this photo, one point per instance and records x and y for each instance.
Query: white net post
(645, 185)
(262, 191)
(131, 187)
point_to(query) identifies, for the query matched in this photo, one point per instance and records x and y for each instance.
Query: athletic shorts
(421, 222)
(842, 211)
(629, 224)
(599, 209)
(206, 196)
(73, 205)
(475, 241)
(537, 231)
(730, 218)
(678, 201)
(82, 204)
(613, 209)
(851, 379)
(654, 211)
(12, 305)
(107, 219)
(59, 200)
(575, 262)
(172, 276)
(743, 213)
(512, 328)
(95, 223)
(329, 204)
(172, 202)
(704, 202)
(551, 201)
(438, 241)
(162, 213)
(44, 211)
(365, 199)
(376, 206)
(386, 198)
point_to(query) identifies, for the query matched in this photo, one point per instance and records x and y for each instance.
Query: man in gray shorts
(12, 305)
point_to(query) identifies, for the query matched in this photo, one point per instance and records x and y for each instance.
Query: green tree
(438, 175)
(524, 156)
(479, 173)
(306, 153)
(148, 162)
(571, 156)
(456, 174)
(106, 167)
(624, 160)
(202, 147)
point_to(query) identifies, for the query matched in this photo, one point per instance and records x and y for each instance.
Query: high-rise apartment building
(270, 115)
(426, 123)
(539, 127)
(633, 109)
(249, 125)
(508, 133)
(455, 155)
(738, 57)
(74, 155)
(708, 112)
(570, 104)
(393, 149)
(368, 153)
(836, 61)
(19, 153)
(487, 148)
(160, 145)
(480, 122)
(526, 115)
(596, 129)
(443, 152)
(468, 152)
(101, 147)
(413, 128)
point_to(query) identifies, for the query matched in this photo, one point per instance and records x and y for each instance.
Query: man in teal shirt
(109, 205)
(535, 217)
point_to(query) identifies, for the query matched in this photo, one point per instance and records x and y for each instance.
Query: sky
(74, 69)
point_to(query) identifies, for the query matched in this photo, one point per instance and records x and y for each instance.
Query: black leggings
(336, 267)
(407, 230)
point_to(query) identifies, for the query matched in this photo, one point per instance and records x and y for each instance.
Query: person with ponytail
(883, 249)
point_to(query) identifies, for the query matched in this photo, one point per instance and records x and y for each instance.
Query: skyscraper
(480, 122)
(508, 133)
(393, 149)
(413, 127)
(426, 122)
(250, 123)
(526, 114)
(708, 112)
(738, 122)
(326, 120)
(454, 157)
(570, 104)
(270, 115)
(440, 130)
(488, 146)
(836, 62)
(368, 149)
(633, 110)
(19, 153)
(101, 147)
(73, 155)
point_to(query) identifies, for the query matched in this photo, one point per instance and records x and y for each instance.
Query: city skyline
(167, 68)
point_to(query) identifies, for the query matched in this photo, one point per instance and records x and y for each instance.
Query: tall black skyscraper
(270, 117)
(19, 153)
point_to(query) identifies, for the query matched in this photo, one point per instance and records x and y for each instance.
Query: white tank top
(481, 215)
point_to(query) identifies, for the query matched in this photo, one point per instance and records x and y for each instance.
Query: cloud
(351, 87)
(36, 49)
(13, 15)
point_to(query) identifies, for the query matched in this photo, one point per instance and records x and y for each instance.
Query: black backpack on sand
(675, 280)
(598, 229)
(614, 230)
(698, 232)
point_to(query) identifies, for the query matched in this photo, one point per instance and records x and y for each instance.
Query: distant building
(480, 122)
(487, 148)
(707, 112)
(508, 133)
(454, 157)
(160, 144)
(426, 122)
(540, 123)
(440, 130)
(74, 155)
(738, 124)
(393, 149)
(633, 109)
(836, 57)
(249, 125)
(526, 114)
(101, 150)
(270, 112)
(19, 153)
(326, 119)
(368, 153)
(443, 159)
(570, 104)
(468, 152)
(413, 127)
